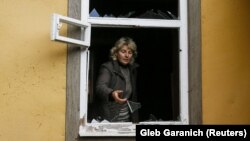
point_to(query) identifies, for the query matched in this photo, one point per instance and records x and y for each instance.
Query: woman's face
(124, 55)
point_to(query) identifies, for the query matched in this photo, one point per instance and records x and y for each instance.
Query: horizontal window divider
(129, 22)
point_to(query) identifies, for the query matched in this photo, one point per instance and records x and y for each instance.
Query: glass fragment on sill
(127, 15)
(97, 121)
(108, 15)
(149, 14)
(94, 13)
(108, 128)
(171, 15)
(152, 118)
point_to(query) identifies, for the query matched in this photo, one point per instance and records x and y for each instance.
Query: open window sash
(58, 20)
(84, 44)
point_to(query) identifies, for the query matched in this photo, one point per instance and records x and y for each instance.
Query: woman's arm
(102, 86)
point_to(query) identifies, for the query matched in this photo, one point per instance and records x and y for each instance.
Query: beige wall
(226, 61)
(32, 72)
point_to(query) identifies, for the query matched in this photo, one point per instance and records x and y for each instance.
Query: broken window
(162, 55)
(163, 58)
(158, 80)
(144, 9)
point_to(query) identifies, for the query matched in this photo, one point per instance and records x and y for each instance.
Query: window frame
(73, 109)
(111, 129)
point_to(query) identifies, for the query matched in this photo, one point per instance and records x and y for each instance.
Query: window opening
(158, 74)
(144, 9)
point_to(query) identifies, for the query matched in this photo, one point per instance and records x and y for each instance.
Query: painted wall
(226, 61)
(32, 72)
(33, 68)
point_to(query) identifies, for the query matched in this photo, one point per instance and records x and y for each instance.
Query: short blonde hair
(120, 43)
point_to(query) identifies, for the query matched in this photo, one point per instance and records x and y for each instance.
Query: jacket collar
(117, 66)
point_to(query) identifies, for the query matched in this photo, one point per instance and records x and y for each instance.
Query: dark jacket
(110, 78)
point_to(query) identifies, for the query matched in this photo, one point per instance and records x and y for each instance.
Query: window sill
(127, 129)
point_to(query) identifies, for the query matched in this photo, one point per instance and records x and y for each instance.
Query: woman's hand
(117, 96)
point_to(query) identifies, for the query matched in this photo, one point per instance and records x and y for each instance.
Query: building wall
(33, 68)
(225, 61)
(33, 72)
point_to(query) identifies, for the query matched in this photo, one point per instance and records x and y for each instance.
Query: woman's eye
(123, 51)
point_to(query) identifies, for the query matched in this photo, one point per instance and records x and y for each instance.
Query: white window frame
(115, 129)
(86, 22)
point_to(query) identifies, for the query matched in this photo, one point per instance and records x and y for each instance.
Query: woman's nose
(126, 54)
